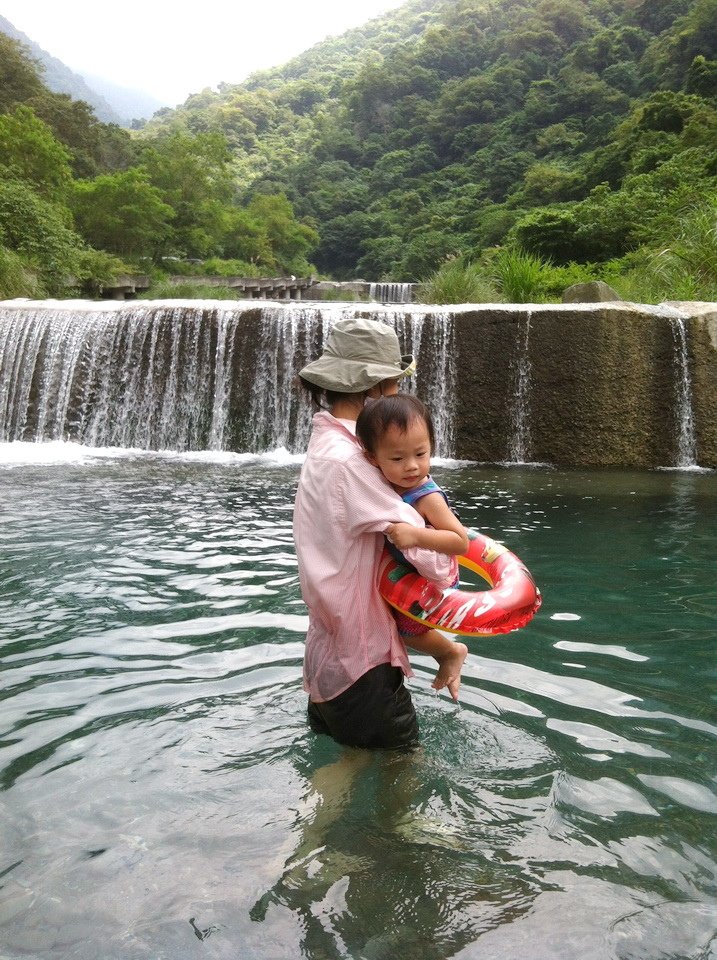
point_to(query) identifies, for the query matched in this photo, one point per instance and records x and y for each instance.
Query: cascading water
(391, 292)
(686, 442)
(138, 377)
(188, 377)
(279, 414)
(432, 342)
(519, 438)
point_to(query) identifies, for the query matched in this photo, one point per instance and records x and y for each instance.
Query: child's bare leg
(450, 655)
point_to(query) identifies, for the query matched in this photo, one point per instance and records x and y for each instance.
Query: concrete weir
(604, 382)
(578, 385)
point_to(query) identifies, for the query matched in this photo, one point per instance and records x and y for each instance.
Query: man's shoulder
(335, 448)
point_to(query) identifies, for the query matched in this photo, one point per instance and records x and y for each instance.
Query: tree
(381, 258)
(193, 177)
(291, 241)
(702, 77)
(344, 240)
(550, 183)
(36, 228)
(246, 239)
(424, 253)
(29, 152)
(122, 213)
(94, 147)
(667, 59)
(19, 79)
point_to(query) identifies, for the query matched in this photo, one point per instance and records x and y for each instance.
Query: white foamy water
(20, 452)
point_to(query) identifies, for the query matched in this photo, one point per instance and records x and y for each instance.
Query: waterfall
(686, 442)
(137, 377)
(190, 377)
(391, 292)
(434, 346)
(519, 439)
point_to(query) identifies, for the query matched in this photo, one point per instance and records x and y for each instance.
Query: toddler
(397, 435)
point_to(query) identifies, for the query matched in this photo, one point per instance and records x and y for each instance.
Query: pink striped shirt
(343, 506)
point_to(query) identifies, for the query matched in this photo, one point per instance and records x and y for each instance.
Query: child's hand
(403, 535)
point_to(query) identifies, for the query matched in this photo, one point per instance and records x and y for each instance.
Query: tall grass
(17, 279)
(457, 282)
(340, 295)
(520, 277)
(688, 265)
(683, 269)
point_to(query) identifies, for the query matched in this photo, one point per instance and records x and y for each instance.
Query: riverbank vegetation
(490, 149)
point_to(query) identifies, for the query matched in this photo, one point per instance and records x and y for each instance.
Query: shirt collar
(323, 420)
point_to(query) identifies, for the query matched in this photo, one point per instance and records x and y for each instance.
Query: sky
(172, 49)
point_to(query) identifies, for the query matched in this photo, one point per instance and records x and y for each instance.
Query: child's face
(404, 458)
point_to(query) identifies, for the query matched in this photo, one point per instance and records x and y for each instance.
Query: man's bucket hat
(358, 354)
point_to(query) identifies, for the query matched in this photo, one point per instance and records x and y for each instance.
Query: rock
(596, 291)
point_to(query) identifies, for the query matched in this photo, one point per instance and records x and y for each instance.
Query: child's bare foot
(449, 670)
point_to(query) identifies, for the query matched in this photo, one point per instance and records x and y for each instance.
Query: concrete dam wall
(613, 384)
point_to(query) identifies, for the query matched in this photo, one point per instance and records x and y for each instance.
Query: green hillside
(581, 130)
(512, 146)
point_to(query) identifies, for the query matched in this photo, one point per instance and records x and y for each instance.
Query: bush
(520, 277)
(456, 282)
(557, 279)
(95, 269)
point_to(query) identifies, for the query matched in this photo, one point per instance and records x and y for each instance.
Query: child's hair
(399, 410)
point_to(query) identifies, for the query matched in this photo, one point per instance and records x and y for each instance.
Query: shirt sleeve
(371, 505)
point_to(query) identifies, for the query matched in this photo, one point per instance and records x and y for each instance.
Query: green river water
(162, 797)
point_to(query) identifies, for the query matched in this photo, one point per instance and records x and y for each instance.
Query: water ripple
(154, 751)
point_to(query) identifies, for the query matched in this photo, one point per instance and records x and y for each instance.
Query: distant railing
(127, 287)
(256, 288)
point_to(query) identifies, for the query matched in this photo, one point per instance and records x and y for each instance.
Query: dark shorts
(376, 711)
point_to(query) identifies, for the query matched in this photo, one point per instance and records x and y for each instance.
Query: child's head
(397, 434)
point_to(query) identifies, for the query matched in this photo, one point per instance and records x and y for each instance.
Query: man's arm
(373, 506)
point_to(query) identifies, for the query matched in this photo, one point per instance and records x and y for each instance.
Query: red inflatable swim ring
(511, 602)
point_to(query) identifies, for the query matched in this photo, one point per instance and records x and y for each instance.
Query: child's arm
(448, 536)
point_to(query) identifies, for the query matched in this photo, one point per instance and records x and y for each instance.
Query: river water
(161, 796)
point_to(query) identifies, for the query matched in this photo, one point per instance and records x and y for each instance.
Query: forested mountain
(59, 78)
(447, 135)
(131, 105)
(82, 201)
(575, 127)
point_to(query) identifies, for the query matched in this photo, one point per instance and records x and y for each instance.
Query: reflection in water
(160, 792)
(382, 866)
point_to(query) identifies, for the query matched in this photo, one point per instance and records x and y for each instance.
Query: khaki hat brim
(353, 376)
